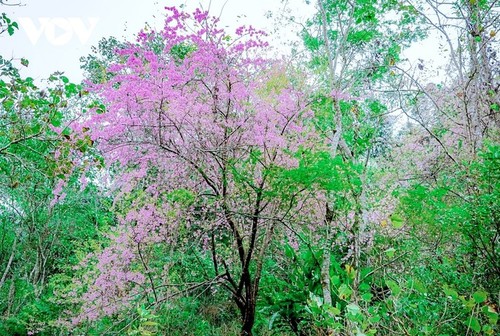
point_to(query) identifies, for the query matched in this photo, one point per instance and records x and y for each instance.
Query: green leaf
(367, 297)
(24, 62)
(344, 292)
(397, 221)
(150, 323)
(394, 287)
(493, 318)
(480, 296)
(473, 323)
(56, 120)
(418, 285)
(489, 311)
(390, 252)
(289, 252)
(36, 128)
(488, 330)
(71, 89)
(360, 37)
(333, 310)
(450, 292)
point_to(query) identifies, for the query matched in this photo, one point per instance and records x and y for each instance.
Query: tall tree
(354, 47)
(36, 234)
(200, 129)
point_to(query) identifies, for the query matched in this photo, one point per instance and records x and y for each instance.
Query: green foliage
(454, 222)
(181, 51)
(7, 25)
(312, 43)
(95, 64)
(431, 268)
(38, 236)
(285, 294)
(468, 220)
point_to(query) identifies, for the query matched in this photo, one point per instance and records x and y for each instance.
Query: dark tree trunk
(248, 316)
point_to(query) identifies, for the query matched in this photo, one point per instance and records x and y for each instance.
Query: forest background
(200, 182)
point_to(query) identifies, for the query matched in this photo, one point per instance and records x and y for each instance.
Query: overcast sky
(54, 34)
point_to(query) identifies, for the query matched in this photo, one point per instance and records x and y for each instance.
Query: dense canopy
(197, 184)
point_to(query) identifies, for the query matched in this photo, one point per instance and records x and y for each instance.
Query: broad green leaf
(491, 313)
(333, 310)
(397, 221)
(450, 292)
(474, 324)
(367, 297)
(344, 292)
(390, 252)
(419, 286)
(394, 287)
(289, 252)
(480, 296)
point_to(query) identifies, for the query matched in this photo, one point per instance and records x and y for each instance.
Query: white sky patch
(54, 34)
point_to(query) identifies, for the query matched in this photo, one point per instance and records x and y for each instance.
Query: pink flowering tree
(197, 131)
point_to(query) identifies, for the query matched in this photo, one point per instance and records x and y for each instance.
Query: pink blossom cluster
(200, 114)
